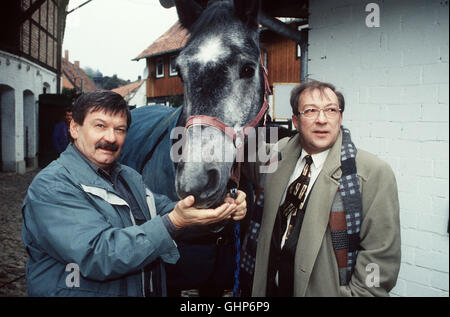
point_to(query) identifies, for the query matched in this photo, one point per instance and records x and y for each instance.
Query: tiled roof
(128, 89)
(73, 76)
(174, 39)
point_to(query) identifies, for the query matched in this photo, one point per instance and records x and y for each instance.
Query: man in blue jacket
(90, 226)
(61, 132)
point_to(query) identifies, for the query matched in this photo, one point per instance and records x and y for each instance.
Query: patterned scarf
(345, 215)
(345, 220)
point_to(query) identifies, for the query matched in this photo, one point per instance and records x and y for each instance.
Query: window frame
(172, 73)
(157, 62)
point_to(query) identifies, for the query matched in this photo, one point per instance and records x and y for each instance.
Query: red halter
(203, 120)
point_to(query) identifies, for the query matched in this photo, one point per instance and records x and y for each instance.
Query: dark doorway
(7, 128)
(1, 135)
(51, 111)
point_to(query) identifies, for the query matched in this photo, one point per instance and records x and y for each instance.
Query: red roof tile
(74, 76)
(174, 39)
(128, 89)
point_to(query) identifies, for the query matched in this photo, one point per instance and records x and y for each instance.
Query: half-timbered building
(31, 33)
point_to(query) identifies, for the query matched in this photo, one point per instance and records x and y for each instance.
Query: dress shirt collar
(318, 159)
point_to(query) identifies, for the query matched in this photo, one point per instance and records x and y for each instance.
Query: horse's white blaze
(211, 50)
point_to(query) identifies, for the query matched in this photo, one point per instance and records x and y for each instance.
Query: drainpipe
(279, 27)
(304, 57)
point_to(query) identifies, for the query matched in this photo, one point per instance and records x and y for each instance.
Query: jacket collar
(81, 170)
(83, 174)
(290, 154)
(333, 162)
(278, 181)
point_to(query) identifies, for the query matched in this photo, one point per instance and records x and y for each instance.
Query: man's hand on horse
(241, 205)
(184, 214)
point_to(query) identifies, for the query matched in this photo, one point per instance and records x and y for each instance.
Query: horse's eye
(247, 71)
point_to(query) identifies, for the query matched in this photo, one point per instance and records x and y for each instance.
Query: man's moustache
(107, 146)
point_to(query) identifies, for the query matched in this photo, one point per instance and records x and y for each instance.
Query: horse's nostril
(212, 183)
(203, 181)
(213, 177)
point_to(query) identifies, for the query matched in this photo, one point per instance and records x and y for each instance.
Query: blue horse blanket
(149, 135)
(147, 150)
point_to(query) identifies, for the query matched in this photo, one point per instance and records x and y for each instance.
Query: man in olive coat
(313, 263)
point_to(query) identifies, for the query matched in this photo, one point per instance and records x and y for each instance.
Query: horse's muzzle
(205, 181)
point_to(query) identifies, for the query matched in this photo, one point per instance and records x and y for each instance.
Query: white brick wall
(21, 75)
(396, 82)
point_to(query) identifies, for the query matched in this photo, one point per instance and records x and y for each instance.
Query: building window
(46, 88)
(173, 66)
(159, 68)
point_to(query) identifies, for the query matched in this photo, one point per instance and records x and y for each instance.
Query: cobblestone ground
(13, 188)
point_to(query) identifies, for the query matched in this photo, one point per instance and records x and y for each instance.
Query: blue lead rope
(237, 243)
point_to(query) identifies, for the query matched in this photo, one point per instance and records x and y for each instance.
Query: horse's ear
(247, 11)
(188, 12)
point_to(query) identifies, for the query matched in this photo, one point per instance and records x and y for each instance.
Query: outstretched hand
(184, 214)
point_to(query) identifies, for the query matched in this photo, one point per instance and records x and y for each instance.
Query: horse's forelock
(216, 14)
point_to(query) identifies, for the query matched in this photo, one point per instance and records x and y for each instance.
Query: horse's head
(223, 78)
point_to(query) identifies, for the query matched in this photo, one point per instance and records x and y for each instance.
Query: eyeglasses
(313, 113)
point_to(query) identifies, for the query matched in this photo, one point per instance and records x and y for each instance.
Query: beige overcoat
(316, 272)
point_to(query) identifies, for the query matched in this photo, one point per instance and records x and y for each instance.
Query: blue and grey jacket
(74, 221)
